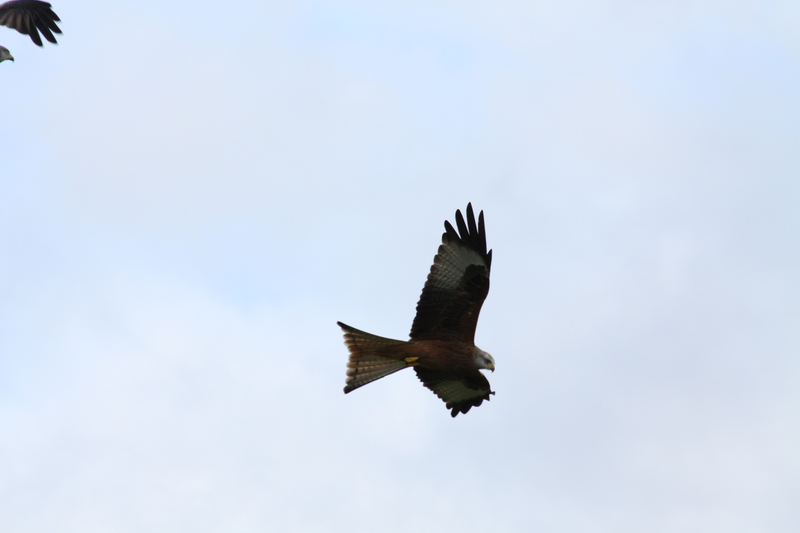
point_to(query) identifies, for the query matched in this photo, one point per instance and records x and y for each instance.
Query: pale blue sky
(191, 196)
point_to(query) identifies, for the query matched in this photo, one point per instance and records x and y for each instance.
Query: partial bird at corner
(29, 17)
(442, 346)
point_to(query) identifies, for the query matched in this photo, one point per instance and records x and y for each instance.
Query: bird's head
(5, 54)
(484, 360)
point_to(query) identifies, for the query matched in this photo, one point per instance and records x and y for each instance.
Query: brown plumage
(29, 17)
(441, 349)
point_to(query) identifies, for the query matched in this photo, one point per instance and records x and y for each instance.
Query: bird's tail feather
(371, 357)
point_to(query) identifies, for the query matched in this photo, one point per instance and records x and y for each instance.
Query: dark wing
(29, 17)
(461, 392)
(457, 284)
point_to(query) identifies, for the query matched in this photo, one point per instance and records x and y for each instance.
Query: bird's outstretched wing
(30, 17)
(461, 392)
(457, 284)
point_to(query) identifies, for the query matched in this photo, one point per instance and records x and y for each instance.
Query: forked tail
(371, 357)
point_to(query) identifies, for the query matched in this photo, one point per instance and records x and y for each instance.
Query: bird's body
(441, 349)
(29, 17)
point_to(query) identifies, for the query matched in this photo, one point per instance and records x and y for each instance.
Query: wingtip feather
(462, 226)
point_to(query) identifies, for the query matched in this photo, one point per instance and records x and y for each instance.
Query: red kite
(442, 347)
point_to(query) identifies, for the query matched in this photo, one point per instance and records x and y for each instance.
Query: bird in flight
(442, 346)
(29, 17)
